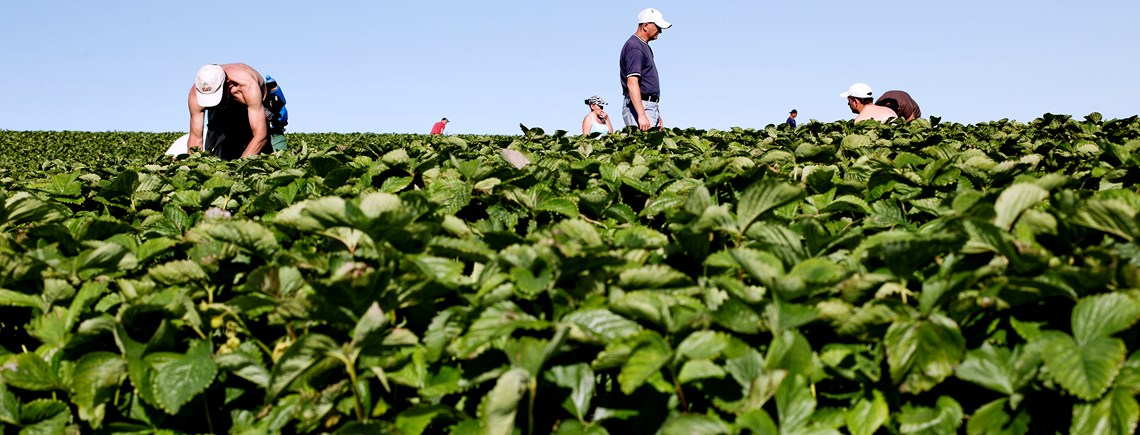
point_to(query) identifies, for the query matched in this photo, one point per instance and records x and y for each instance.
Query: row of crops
(836, 278)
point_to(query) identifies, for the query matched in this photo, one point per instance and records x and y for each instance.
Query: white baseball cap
(208, 85)
(651, 15)
(858, 90)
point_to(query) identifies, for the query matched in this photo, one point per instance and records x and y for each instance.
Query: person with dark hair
(792, 118)
(230, 98)
(439, 126)
(639, 83)
(901, 103)
(597, 121)
(859, 99)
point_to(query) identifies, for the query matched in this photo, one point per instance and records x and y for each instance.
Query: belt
(650, 98)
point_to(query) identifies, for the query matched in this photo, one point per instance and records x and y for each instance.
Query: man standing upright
(792, 118)
(229, 98)
(639, 83)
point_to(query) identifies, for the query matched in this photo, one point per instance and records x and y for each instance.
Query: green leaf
(97, 375)
(247, 235)
(921, 353)
(1085, 370)
(32, 373)
(9, 406)
(647, 358)
(178, 378)
(1103, 315)
(599, 325)
(303, 354)
(1129, 378)
(1014, 200)
(694, 424)
(697, 369)
(762, 266)
(444, 327)
(498, 320)
(498, 408)
(579, 378)
(703, 345)
(944, 418)
(244, 366)
(178, 272)
(11, 298)
(790, 351)
(44, 417)
(757, 421)
(819, 271)
(581, 231)
(993, 418)
(654, 276)
(794, 404)
(1116, 413)
(762, 197)
(564, 206)
(1111, 216)
(372, 321)
(865, 417)
(990, 367)
(314, 214)
(153, 248)
(416, 419)
(23, 208)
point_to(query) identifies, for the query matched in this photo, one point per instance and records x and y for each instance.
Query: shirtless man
(229, 97)
(860, 101)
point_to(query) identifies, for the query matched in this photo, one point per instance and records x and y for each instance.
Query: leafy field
(835, 278)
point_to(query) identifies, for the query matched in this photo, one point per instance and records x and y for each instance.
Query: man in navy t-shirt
(792, 118)
(639, 83)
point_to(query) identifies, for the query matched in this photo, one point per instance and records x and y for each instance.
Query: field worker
(597, 121)
(639, 83)
(439, 126)
(901, 103)
(792, 118)
(229, 98)
(859, 100)
(278, 114)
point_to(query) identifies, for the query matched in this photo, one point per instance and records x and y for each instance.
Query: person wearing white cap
(229, 98)
(859, 99)
(639, 82)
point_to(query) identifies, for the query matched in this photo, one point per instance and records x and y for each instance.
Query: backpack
(278, 115)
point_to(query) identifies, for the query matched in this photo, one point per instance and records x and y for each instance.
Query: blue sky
(488, 66)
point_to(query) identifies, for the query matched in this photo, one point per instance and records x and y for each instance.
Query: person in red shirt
(439, 126)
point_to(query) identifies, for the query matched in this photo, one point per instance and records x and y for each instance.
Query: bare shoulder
(243, 74)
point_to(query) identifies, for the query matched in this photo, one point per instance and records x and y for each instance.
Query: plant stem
(680, 391)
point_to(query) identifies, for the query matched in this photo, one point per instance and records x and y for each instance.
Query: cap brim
(663, 24)
(209, 100)
(845, 95)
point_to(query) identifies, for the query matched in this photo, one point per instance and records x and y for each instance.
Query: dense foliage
(834, 278)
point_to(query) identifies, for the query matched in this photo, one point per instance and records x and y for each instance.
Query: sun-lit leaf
(1084, 369)
(922, 353)
(499, 406)
(648, 356)
(178, 378)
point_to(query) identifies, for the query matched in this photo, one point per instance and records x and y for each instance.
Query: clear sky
(381, 66)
